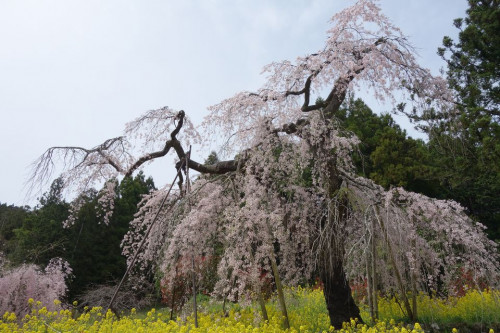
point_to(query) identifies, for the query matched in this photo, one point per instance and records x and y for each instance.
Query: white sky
(73, 72)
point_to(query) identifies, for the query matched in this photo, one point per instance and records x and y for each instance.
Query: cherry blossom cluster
(432, 241)
(364, 50)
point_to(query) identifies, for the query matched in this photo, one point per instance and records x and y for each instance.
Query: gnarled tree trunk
(337, 291)
(338, 297)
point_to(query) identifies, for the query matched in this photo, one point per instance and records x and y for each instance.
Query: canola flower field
(306, 308)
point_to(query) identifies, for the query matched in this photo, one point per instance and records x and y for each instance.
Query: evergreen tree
(11, 218)
(467, 145)
(386, 154)
(474, 68)
(91, 247)
(41, 236)
(96, 254)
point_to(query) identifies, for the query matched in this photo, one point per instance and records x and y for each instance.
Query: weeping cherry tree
(289, 206)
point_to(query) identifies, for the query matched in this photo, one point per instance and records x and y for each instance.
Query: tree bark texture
(339, 302)
(337, 291)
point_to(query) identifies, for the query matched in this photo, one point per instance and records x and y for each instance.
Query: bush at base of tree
(130, 296)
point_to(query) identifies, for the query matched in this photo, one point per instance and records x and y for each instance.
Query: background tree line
(90, 247)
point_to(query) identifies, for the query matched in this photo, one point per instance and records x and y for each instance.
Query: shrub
(134, 293)
(28, 281)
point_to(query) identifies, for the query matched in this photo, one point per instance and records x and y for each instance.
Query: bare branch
(75, 159)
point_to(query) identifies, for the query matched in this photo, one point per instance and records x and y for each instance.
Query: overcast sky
(73, 72)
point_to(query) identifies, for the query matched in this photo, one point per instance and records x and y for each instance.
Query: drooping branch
(131, 264)
(76, 158)
(87, 167)
(339, 91)
(175, 144)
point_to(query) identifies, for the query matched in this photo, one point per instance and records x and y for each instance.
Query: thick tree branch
(331, 105)
(306, 91)
(338, 93)
(172, 143)
(180, 116)
(217, 168)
